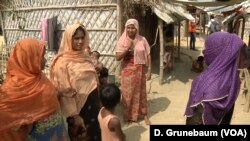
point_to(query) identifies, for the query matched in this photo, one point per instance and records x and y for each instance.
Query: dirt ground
(167, 102)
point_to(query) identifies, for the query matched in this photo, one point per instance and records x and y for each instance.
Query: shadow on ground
(157, 105)
(182, 67)
(132, 130)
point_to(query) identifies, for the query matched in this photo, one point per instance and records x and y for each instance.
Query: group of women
(34, 108)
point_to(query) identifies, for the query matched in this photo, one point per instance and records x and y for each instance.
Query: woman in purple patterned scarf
(215, 91)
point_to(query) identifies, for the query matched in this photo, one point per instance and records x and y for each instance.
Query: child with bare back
(109, 123)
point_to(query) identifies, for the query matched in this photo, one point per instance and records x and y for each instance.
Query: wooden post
(160, 25)
(179, 39)
(119, 19)
(248, 44)
(2, 25)
(243, 28)
(247, 78)
(186, 32)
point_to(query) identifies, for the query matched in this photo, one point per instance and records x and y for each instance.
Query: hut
(104, 19)
(20, 19)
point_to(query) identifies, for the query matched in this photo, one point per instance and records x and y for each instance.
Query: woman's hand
(148, 75)
(129, 44)
(68, 92)
(79, 121)
(98, 67)
(79, 128)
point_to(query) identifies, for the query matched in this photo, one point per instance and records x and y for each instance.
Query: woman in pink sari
(134, 50)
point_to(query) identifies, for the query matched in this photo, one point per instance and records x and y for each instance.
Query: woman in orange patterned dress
(29, 107)
(134, 50)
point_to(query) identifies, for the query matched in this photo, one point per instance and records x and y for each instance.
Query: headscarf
(217, 88)
(73, 69)
(26, 94)
(141, 46)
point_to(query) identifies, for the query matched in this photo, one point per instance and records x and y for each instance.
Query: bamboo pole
(1, 61)
(247, 79)
(179, 39)
(243, 28)
(160, 25)
(33, 29)
(2, 25)
(248, 44)
(107, 54)
(119, 31)
(186, 32)
(91, 6)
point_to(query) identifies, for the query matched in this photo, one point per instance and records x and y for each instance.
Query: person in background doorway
(134, 51)
(192, 33)
(167, 60)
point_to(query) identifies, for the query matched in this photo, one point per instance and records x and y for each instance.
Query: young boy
(109, 123)
(197, 65)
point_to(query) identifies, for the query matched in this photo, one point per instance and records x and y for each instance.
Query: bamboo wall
(22, 19)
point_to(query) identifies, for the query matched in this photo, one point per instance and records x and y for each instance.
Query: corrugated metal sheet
(226, 8)
(164, 16)
(228, 18)
(206, 2)
(231, 17)
(170, 12)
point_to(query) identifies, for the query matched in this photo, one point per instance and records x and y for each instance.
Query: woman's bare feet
(147, 121)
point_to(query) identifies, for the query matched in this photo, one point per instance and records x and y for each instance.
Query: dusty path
(167, 102)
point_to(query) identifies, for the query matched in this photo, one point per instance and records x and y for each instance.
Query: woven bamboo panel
(44, 3)
(98, 16)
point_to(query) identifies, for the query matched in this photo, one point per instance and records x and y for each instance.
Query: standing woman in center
(73, 70)
(134, 50)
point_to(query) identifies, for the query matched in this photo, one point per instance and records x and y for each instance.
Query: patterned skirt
(50, 128)
(133, 85)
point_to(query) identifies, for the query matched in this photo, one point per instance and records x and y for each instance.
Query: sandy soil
(167, 102)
